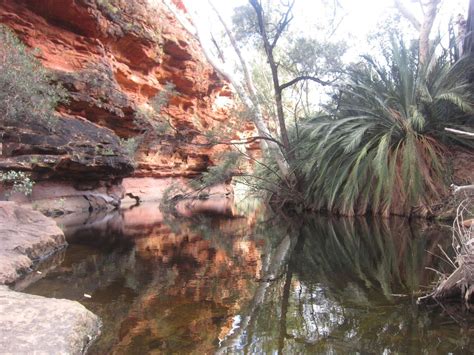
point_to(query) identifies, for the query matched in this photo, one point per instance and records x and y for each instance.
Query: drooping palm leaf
(382, 150)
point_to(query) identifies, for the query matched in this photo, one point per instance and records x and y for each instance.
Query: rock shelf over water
(26, 236)
(33, 324)
(37, 325)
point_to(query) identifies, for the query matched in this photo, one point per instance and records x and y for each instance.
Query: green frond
(381, 152)
(457, 100)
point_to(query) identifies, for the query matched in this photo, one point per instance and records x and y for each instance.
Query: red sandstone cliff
(114, 56)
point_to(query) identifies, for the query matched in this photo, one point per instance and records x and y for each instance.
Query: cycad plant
(382, 149)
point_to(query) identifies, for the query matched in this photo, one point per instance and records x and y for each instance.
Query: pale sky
(359, 17)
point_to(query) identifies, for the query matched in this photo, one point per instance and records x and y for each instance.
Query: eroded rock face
(37, 325)
(26, 236)
(74, 149)
(114, 56)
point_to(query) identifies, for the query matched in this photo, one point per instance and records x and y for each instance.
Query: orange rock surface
(114, 56)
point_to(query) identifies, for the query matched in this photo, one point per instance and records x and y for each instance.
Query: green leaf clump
(382, 148)
(27, 93)
(18, 181)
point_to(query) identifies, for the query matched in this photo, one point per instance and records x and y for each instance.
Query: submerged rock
(37, 325)
(26, 236)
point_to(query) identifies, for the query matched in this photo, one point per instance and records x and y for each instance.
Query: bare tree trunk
(274, 69)
(430, 9)
(408, 15)
(425, 30)
(248, 96)
(468, 48)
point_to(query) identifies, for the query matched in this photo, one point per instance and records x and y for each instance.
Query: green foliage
(308, 56)
(245, 24)
(150, 119)
(26, 92)
(220, 173)
(110, 7)
(107, 151)
(381, 150)
(131, 17)
(316, 55)
(265, 181)
(18, 181)
(130, 145)
(163, 97)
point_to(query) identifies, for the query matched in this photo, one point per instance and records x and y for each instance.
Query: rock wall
(33, 324)
(114, 56)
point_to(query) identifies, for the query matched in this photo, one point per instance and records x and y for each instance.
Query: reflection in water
(350, 286)
(214, 284)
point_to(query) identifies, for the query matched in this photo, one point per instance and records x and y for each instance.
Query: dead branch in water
(460, 284)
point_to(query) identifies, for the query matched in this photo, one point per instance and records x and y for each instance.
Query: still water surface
(253, 285)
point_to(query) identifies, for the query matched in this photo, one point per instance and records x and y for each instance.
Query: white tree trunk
(425, 30)
(248, 97)
(429, 9)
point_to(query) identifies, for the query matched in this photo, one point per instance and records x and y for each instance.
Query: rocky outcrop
(33, 324)
(38, 325)
(26, 236)
(74, 148)
(114, 56)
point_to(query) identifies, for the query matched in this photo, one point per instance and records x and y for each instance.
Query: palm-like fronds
(382, 150)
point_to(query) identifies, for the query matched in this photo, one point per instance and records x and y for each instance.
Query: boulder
(32, 324)
(26, 236)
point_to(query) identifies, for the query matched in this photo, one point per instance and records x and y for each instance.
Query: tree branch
(236, 142)
(408, 15)
(456, 189)
(282, 24)
(276, 81)
(304, 77)
(457, 131)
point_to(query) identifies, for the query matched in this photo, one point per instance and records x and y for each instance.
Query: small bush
(18, 181)
(150, 119)
(220, 173)
(130, 145)
(109, 6)
(26, 91)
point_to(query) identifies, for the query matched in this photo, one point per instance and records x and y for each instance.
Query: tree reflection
(350, 286)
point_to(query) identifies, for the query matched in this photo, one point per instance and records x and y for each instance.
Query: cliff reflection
(207, 284)
(157, 286)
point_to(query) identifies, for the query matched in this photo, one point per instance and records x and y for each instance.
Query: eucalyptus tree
(429, 9)
(262, 28)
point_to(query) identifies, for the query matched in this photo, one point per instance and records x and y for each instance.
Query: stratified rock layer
(75, 149)
(38, 325)
(114, 56)
(26, 236)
